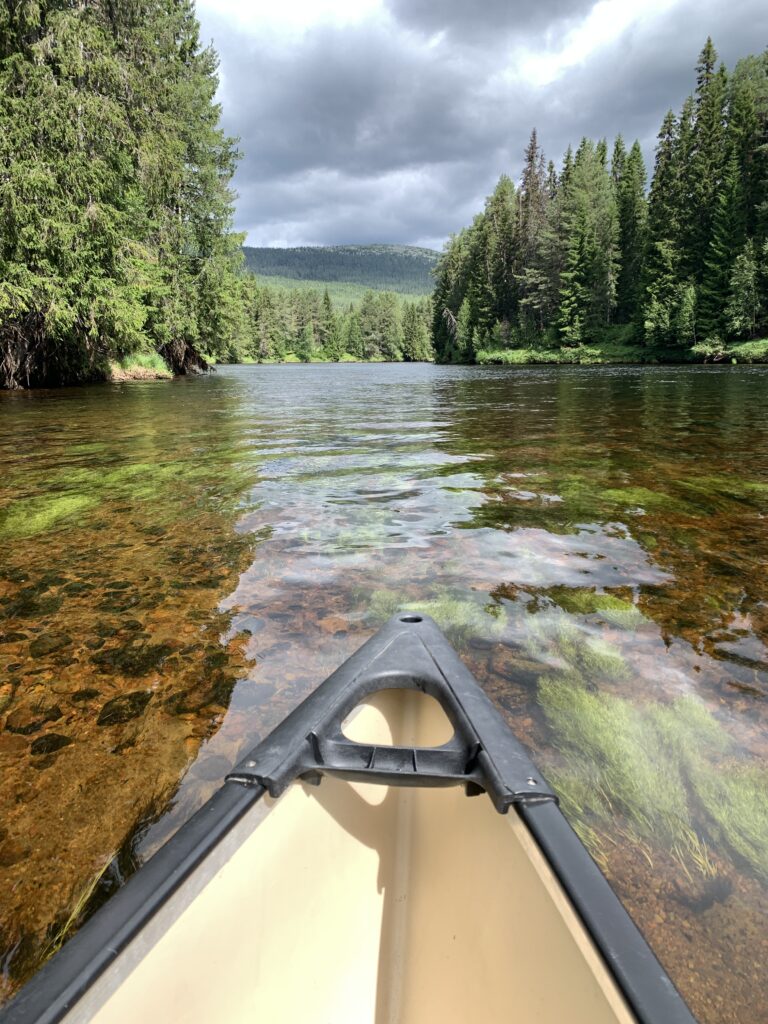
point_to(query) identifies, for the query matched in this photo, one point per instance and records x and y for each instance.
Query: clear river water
(183, 561)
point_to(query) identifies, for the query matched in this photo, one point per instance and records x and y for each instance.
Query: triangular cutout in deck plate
(409, 652)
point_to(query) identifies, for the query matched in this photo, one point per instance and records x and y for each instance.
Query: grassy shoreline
(616, 353)
(140, 366)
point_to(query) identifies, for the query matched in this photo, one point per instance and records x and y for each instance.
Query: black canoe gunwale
(408, 652)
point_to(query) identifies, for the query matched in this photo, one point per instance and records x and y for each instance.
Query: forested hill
(398, 268)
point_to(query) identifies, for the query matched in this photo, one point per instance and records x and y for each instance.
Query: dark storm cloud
(393, 130)
(489, 20)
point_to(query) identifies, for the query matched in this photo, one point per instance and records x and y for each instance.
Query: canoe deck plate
(410, 652)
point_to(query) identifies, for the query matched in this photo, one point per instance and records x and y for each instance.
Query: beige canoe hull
(359, 904)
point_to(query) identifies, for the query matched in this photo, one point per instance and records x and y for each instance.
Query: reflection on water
(185, 560)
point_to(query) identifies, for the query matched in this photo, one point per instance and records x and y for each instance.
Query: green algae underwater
(183, 561)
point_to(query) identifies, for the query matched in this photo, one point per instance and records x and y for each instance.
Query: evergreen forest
(586, 255)
(395, 268)
(297, 325)
(115, 205)
(117, 245)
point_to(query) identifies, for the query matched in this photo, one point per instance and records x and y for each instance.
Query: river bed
(183, 561)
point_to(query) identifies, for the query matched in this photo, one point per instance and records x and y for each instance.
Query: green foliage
(30, 516)
(557, 639)
(303, 325)
(726, 241)
(115, 209)
(590, 239)
(305, 349)
(342, 293)
(629, 182)
(546, 268)
(658, 767)
(734, 799)
(743, 309)
(459, 619)
(133, 365)
(582, 601)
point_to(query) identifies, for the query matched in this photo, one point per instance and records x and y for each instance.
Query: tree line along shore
(583, 264)
(118, 256)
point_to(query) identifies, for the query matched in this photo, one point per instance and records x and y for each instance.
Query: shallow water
(183, 561)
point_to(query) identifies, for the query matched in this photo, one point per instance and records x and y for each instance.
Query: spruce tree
(727, 241)
(326, 328)
(742, 312)
(305, 347)
(664, 200)
(115, 208)
(663, 293)
(707, 162)
(682, 231)
(590, 237)
(416, 347)
(499, 249)
(353, 338)
(632, 206)
(662, 278)
(451, 273)
(618, 162)
(534, 198)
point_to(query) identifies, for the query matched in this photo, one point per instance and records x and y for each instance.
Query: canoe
(380, 896)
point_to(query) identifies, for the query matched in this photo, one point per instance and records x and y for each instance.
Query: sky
(364, 121)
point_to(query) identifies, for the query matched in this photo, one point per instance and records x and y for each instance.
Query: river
(183, 561)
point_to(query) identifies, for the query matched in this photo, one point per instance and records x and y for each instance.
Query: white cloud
(289, 17)
(607, 20)
(390, 120)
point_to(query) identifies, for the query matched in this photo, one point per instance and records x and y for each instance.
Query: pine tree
(743, 309)
(416, 346)
(534, 198)
(727, 241)
(451, 273)
(353, 339)
(629, 183)
(706, 165)
(590, 236)
(306, 348)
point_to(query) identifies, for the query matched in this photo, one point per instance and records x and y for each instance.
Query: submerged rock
(132, 659)
(124, 708)
(82, 696)
(48, 643)
(49, 743)
(26, 720)
(11, 852)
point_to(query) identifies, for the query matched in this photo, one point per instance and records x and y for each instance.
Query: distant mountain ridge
(399, 268)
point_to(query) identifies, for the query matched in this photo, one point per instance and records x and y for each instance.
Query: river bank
(143, 366)
(612, 352)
